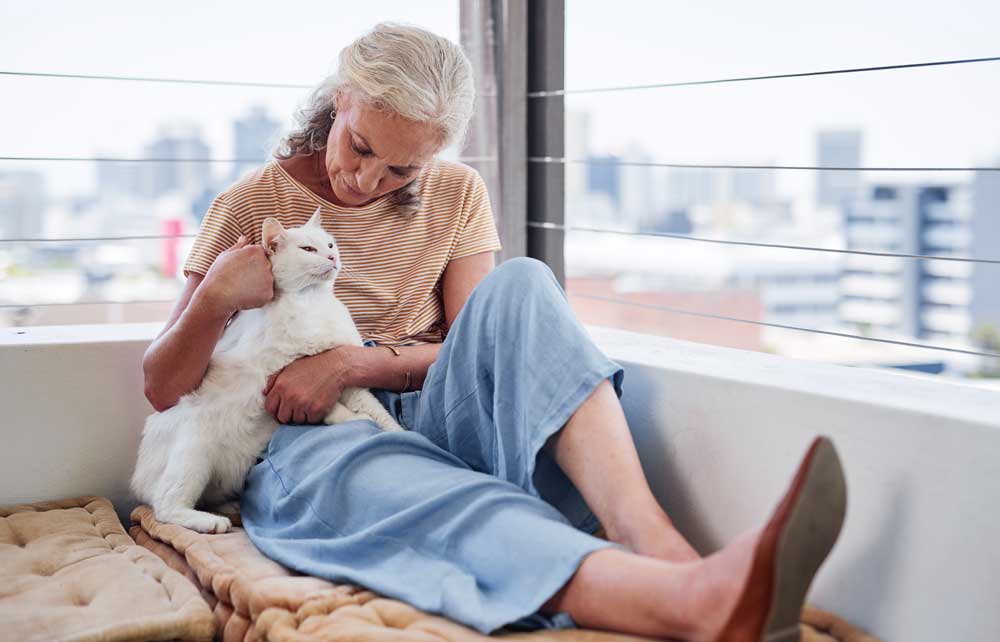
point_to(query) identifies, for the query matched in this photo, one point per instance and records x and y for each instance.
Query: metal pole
(494, 35)
(545, 131)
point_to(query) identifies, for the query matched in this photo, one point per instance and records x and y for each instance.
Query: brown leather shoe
(791, 549)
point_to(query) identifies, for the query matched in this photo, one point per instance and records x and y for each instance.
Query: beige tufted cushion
(258, 599)
(68, 571)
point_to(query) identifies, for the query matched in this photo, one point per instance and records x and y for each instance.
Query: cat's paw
(198, 520)
(389, 424)
(209, 523)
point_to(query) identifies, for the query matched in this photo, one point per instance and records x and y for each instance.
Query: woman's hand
(240, 278)
(305, 391)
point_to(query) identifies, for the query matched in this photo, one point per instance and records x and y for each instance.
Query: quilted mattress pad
(70, 572)
(255, 598)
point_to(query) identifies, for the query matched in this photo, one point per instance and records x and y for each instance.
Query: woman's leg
(395, 513)
(616, 590)
(596, 451)
(517, 368)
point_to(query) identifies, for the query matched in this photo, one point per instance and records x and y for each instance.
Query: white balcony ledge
(719, 432)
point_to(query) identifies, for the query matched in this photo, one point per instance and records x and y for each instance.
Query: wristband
(406, 382)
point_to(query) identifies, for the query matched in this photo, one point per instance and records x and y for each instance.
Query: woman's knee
(513, 294)
(521, 275)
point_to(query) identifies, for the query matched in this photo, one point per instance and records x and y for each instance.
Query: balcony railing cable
(834, 168)
(13, 306)
(808, 248)
(85, 239)
(531, 159)
(719, 81)
(721, 317)
(533, 94)
(125, 159)
(571, 228)
(180, 81)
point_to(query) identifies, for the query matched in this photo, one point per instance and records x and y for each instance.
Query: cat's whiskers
(354, 274)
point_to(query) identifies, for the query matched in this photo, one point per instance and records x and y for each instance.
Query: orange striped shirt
(394, 263)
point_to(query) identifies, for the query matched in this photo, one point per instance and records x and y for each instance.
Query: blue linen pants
(464, 514)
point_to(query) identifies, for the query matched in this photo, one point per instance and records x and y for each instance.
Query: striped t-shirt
(393, 262)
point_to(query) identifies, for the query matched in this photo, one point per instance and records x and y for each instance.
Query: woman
(517, 445)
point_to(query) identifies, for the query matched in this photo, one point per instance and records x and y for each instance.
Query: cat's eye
(307, 248)
(330, 245)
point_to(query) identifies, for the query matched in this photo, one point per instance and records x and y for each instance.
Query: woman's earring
(333, 114)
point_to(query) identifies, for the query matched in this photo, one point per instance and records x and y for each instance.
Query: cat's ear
(316, 220)
(271, 234)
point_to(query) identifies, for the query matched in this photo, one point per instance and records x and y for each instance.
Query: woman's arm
(305, 391)
(176, 361)
(382, 369)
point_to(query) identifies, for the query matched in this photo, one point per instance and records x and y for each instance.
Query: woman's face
(370, 153)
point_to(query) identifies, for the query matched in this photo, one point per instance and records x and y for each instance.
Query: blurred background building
(837, 148)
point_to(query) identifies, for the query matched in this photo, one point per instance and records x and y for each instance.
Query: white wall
(719, 431)
(73, 410)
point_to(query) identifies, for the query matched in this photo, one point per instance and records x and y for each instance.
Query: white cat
(203, 447)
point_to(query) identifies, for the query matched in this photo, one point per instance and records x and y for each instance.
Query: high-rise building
(691, 186)
(254, 138)
(984, 307)
(577, 145)
(22, 204)
(180, 141)
(919, 298)
(639, 207)
(688, 187)
(120, 178)
(604, 177)
(754, 186)
(838, 148)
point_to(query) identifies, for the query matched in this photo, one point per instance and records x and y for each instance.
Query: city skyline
(775, 287)
(924, 117)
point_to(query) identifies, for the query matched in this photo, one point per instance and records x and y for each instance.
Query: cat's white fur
(200, 450)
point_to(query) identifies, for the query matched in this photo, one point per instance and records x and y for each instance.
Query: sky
(921, 117)
(936, 116)
(916, 116)
(287, 42)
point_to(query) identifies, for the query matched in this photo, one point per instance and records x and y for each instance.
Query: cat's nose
(333, 258)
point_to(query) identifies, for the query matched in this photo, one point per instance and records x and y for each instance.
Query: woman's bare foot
(717, 586)
(789, 550)
(753, 589)
(620, 591)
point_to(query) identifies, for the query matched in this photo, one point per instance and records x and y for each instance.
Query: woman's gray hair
(399, 69)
